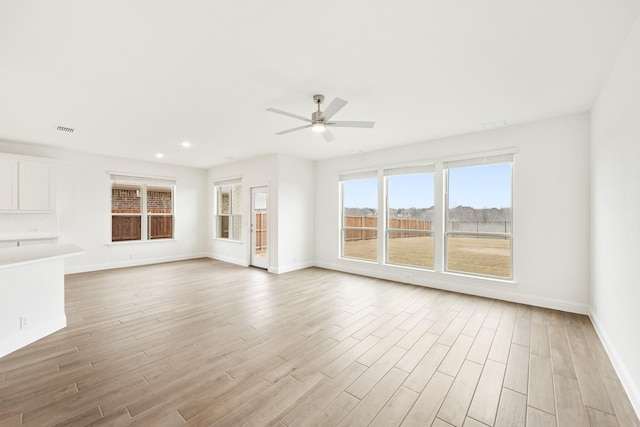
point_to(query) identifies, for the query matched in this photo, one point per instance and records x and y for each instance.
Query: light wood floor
(207, 343)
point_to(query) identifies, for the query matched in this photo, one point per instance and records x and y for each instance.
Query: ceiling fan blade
(328, 136)
(295, 116)
(352, 124)
(292, 130)
(335, 106)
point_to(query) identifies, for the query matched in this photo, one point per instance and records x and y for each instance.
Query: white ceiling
(139, 77)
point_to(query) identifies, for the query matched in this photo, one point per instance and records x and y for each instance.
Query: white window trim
(420, 168)
(238, 216)
(349, 176)
(144, 181)
(438, 167)
(503, 157)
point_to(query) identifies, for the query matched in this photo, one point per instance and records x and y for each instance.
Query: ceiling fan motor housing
(316, 116)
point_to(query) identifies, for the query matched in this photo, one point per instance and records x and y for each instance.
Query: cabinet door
(8, 184)
(36, 186)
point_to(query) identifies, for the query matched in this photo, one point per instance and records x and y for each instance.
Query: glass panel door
(259, 227)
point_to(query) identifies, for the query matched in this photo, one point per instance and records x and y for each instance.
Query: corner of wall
(633, 392)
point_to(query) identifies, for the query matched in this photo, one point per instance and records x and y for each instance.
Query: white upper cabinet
(8, 184)
(27, 184)
(36, 184)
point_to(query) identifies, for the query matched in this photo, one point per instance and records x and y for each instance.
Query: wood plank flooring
(203, 343)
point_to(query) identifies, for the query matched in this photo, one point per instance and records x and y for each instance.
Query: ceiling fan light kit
(319, 121)
(318, 127)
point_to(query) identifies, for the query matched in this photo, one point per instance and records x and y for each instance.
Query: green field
(491, 257)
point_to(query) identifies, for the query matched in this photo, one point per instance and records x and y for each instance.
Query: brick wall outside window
(125, 200)
(159, 201)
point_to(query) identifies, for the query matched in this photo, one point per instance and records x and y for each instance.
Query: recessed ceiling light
(159, 155)
(186, 144)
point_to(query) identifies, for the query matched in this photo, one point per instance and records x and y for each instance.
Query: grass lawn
(490, 257)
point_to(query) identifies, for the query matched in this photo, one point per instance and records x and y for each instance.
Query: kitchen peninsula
(32, 285)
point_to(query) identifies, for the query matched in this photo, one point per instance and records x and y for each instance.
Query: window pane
(236, 227)
(126, 227)
(479, 255)
(223, 227)
(126, 204)
(479, 201)
(360, 218)
(410, 213)
(159, 200)
(224, 200)
(159, 210)
(126, 199)
(228, 209)
(160, 226)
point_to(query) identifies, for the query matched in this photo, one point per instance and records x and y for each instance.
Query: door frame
(254, 260)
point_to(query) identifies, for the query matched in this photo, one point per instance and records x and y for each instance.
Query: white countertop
(27, 236)
(20, 255)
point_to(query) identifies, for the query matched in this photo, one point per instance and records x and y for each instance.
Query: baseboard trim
(32, 334)
(131, 263)
(292, 267)
(228, 259)
(632, 389)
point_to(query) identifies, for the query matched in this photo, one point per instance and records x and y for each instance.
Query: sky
(479, 187)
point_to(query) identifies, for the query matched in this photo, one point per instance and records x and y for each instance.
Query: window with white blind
(478, 216)
(228, 209)
(359, 211)
(410, 215)
(142, 207)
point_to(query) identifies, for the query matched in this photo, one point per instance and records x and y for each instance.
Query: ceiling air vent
(65, 129)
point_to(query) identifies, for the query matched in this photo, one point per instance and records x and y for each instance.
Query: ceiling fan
(319, 121)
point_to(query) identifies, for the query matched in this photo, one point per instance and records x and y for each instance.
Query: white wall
(615, 211)
(83, 198)
(296, 213)
(291, 219)
(255, 173)
(550, 212)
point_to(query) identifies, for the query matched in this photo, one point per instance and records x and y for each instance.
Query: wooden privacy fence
(128, 227)
(400, 227)
(261, 230)
(357, 227)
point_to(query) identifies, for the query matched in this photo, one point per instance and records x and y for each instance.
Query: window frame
(142, 182)
(476, 162)
(234, 219)
(439, 224)
(425, 168)
(366, 174)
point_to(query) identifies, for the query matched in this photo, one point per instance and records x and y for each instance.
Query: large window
(410, 215)
(453, 215)
(228, 217)
(360, 215)
(478, 216)
(141, 208)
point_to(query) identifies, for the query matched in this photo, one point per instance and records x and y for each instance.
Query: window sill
(138, 242)
(365, 261)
